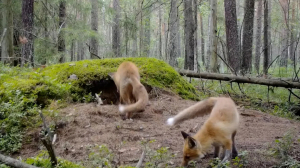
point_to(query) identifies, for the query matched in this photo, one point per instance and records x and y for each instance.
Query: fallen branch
(241, 79)
(14, 162)
(139, 164)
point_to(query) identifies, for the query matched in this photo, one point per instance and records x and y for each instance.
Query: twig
(272, 62)
(2, 37)
(91, 52)
(240, 88)
(293, 93)
(139, 164)
(226, 63)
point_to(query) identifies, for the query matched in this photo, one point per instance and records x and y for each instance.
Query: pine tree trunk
(202, 41)
(247, 36)
(232, 39)
(213, 37)
(195, 36)
(188, 35)
(258, 35)
(173, 37)
(266, 38)
(7, 51)
(61, 35)
(159, 31)
(285, 54)
(94, 27)
(27, 18)
(147, 28)
(116, 29)
(292, 36)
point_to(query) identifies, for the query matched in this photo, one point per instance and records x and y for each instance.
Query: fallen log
(241, 79)
(14, 162)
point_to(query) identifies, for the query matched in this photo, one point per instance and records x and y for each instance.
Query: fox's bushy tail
(133, 108)
(199, 109)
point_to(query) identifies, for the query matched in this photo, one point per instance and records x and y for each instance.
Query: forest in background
(198, 35)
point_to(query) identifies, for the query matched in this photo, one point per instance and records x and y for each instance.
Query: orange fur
(218, 130)
(132, 93)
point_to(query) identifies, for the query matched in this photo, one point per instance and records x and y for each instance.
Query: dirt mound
(86, 124)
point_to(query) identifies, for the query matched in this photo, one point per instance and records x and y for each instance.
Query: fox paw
(121, 108)
(170, 121)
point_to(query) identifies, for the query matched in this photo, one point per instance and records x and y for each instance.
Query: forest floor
(83, 125)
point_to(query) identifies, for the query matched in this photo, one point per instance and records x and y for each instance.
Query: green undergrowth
(276, 101)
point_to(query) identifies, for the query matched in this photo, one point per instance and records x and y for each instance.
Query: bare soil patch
(86, 124)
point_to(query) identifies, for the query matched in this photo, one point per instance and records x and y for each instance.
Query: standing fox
(219, 129)
(132, 93)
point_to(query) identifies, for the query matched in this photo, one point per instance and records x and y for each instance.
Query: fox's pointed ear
(184, 134)
(111, 74)
(192, 142)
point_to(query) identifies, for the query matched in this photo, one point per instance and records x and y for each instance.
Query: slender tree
(247, 36)
(173, 47)
(27, 19)
(189, 35)
(7, 50)
(94, 27)
(195, 10)
(202, 40)
(116, 44)
(232, 39)
(285, 11)
(266, 38)
(258, 35)
(147, 27)
(213, 41)
(61, 35)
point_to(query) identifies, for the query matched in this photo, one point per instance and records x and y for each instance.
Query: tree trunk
(247, 36)
(285, 54)
(195, 36)
(232, 39)
(213, 37)
(116, 29)
(7, 51)
(147, 35)
(174, 31)
(266, 38)
(188, 35)
(73, 50)
(94, 27)
(61, 35)
(258, 35)
(27, 18)
(202, 41)
(292, 36)
(159, 30)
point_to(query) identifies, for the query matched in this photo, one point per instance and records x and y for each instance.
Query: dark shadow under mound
(108, 90)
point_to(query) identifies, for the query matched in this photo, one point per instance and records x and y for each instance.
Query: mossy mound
(53, 82)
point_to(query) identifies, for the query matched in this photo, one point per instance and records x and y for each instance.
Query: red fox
(219, 129)
(132, 93)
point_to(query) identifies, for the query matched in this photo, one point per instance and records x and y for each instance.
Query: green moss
(154, 73)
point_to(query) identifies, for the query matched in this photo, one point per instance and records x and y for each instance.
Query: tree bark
(293, 33)
(266, 38)
(173, 47)
(213, 39)
(147, 35)
(61, 35)
(248, 36)
(258, 35)
(7, 48)
(27, 19)
(94, 27)
(232, 40)
(241, 79)
(188, 35)
(195, 4)
(159, 31)
(13, 162)
(285, 54)
(202, 40)
(116, 44)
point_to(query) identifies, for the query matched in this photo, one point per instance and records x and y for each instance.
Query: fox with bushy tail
(218, 130)
(133, 95)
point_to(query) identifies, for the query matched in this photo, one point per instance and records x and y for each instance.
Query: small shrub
(100, 156)
(216, 163)
(241, 160)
